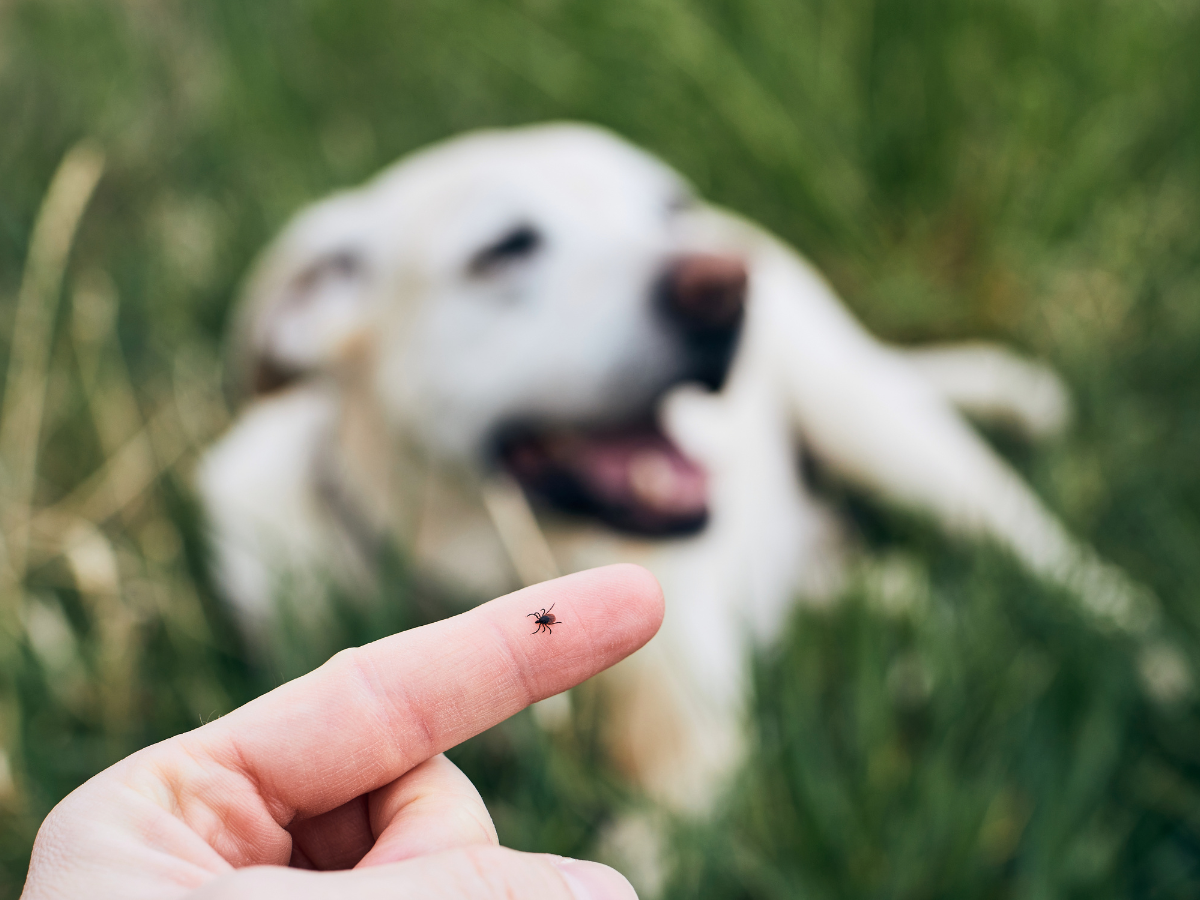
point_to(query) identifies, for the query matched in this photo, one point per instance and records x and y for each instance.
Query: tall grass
(1028, 171)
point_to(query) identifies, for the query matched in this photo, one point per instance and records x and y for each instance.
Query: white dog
(548, 314)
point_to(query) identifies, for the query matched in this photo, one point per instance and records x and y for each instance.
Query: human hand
(334, 785)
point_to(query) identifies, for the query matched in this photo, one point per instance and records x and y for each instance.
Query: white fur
(411, 362)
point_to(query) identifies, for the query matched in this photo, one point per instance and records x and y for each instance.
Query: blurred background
(1026, 170)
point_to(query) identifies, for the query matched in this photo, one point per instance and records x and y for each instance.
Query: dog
(525, 352)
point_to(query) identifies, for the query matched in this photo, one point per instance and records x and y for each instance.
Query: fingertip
(631, 596)
(607, 613)
(643, 590)
(628, 594)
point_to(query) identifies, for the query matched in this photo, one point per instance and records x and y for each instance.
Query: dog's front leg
(991, 383)
(865, 411)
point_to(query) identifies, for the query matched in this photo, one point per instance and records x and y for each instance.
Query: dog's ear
(306, 305)
(317, 319)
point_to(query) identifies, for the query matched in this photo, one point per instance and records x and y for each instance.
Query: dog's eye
(519, 243)
(342, 264)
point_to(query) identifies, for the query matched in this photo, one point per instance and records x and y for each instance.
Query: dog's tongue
(646, 469)
(635, 479)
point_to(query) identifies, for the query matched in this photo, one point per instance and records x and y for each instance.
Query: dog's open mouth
(632, 478)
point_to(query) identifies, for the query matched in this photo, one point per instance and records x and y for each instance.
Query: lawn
(1022, 170)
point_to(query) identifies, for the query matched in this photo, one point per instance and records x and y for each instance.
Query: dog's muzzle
(630, 475)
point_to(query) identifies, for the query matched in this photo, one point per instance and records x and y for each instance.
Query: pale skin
(334, 785)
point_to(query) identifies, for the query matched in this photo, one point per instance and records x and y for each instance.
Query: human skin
(334, 785)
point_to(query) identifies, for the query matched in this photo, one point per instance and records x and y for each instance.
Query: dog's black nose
(705, 292)
(703, 296)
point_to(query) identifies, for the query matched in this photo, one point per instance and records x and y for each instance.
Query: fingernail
(593, 881)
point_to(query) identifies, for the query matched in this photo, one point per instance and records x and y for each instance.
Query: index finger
(372, 713)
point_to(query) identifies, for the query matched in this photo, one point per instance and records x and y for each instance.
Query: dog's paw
(995, 385)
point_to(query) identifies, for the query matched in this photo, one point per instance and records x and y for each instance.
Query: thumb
(471, 873)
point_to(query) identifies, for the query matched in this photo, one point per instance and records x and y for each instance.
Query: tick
(544, 619)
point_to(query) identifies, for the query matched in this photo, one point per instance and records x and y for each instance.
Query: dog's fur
(552, 281)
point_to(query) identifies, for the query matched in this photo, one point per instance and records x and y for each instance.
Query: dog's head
(521, 298)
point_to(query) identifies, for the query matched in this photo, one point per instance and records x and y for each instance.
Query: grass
(1027, 171)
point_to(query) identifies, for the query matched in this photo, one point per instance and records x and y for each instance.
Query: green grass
(1027, 171)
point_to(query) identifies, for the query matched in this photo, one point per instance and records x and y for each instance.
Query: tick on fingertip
(544, 619)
